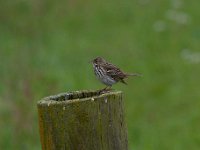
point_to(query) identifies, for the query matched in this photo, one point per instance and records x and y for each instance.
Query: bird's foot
(105, 90)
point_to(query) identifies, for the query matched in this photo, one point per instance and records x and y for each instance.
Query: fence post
(83, 120)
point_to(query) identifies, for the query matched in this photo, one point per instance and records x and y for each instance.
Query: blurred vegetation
(45, 46)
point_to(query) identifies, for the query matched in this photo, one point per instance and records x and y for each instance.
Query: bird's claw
(104, 90)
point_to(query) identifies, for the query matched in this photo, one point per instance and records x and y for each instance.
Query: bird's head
(98, 60)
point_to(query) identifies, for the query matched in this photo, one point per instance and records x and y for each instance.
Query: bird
(108, 73)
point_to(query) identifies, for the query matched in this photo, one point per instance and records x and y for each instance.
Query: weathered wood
(83, 120)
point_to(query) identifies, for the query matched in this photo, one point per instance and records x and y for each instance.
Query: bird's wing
(114, 71)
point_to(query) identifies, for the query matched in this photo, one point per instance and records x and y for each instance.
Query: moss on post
(83, 120)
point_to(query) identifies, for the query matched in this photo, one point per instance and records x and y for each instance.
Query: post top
(74, 96)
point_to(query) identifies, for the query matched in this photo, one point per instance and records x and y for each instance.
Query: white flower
(159, 26)
(191, 57)
(178, 16)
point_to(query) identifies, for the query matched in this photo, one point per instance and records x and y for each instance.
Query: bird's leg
(104, 89)
(109, 88)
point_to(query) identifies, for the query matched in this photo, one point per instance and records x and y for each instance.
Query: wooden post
(83, 120)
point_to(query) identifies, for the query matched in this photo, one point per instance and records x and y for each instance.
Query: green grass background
(45, 46)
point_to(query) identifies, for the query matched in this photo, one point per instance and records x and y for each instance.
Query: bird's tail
(134, 74)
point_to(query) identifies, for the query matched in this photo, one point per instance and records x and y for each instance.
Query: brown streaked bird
(108, 73)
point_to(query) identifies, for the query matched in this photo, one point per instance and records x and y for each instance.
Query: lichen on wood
(83, 120)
